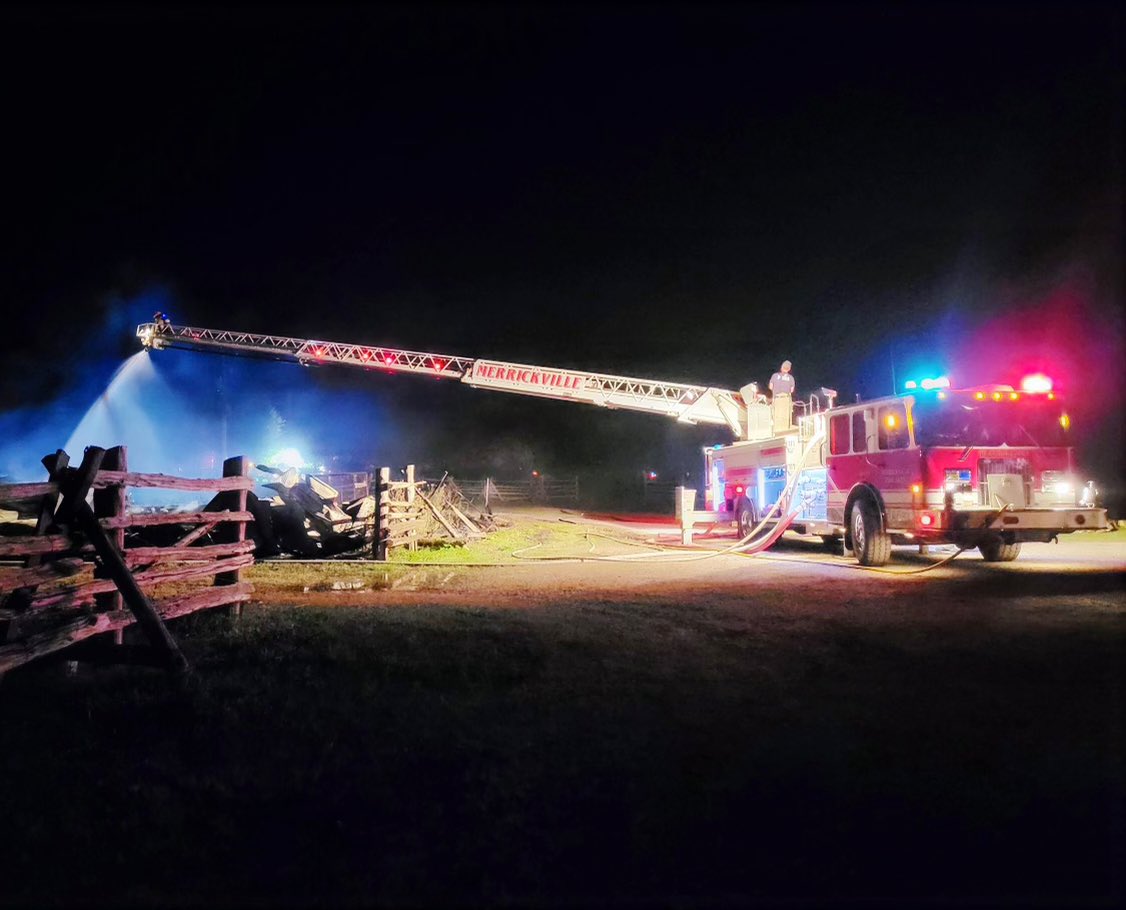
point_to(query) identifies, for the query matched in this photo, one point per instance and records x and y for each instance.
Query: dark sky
(675, 192)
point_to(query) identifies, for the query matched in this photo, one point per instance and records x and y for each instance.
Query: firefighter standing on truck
(782, 397)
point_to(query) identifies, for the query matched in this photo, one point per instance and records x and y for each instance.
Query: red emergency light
(1036, 382)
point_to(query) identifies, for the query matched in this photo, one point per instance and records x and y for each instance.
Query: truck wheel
(747, 517)
(870, 542)
(996, 549)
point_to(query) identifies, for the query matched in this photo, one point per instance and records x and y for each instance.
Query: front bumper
(967, 526)
(1060, 521)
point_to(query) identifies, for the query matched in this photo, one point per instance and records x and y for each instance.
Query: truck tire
(870, 542)
(996, 549)
(747, 517)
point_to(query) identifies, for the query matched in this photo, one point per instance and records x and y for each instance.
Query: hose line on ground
(747, 545)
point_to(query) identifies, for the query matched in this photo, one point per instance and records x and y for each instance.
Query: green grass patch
(526, 540)
(1108, 536)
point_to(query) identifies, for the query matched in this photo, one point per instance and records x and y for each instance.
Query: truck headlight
(1058, 487)
(1055, 482)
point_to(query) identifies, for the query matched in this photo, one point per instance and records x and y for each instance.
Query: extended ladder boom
(681, 401)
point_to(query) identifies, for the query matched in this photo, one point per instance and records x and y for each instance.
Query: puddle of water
(420, 579)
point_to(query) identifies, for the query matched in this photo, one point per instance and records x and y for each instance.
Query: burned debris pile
(308, 517)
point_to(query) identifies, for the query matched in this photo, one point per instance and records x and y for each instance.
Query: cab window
(892, 432)
(838, 435)
(859, 433)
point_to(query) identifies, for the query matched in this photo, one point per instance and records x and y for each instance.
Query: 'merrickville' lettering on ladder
(486, 371)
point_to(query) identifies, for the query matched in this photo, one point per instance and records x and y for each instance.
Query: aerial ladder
(745, 412)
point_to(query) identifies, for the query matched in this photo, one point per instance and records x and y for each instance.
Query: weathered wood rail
(410, 512)
(85, 569)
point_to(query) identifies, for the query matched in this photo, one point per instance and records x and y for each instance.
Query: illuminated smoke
(182, 412)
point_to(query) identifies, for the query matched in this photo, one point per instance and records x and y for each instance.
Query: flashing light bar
(940, 382)
(1036, 382)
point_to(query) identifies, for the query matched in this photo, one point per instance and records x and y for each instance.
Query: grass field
(420, 748)
(527, 538)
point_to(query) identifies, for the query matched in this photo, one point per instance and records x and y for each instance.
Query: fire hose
(750, 545)
(746, 546)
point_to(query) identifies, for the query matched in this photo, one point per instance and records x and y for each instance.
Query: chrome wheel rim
(858, 529)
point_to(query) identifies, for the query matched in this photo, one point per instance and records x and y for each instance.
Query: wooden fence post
(413, 545)
(109, 503)
(56, 466)
(383, 514)
(235, 500)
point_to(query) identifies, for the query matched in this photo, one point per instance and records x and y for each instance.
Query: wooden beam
(76, 485)
(465, 519)
(34, 546)
(195, 534)
(34, 646)
(56, 466)
(109, 478)
(15, 579)
(454, 533)
(206, 599)
(147, 617)
(83, 627)
(16, 492)
(173, 518)
(136, 556)
(75, 596)
(402, 528)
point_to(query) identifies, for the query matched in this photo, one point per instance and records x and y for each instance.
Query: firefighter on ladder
(782, 397)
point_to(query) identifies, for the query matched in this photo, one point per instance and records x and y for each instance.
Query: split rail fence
(536, 490)
(73, 579)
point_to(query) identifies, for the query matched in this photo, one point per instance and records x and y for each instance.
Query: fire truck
(987, 467)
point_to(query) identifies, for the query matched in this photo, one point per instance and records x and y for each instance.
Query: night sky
(674, 192)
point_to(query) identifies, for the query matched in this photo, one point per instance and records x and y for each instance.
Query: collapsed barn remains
(308, 517)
